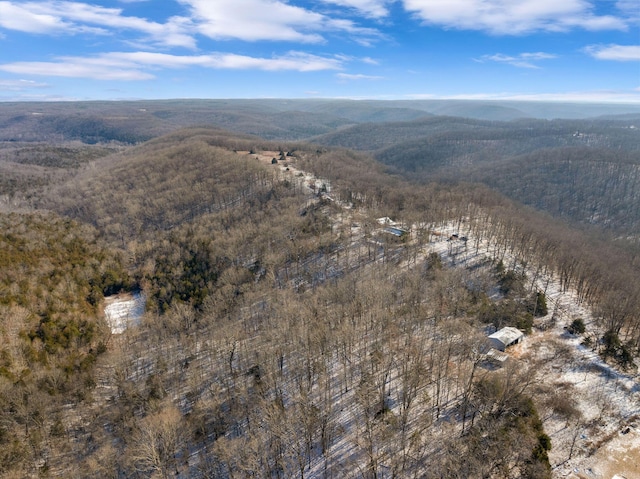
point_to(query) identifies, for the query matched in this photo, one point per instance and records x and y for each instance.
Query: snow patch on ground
(124, 310)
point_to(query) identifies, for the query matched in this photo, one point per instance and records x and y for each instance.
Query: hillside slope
(291, 330)
(582, 171)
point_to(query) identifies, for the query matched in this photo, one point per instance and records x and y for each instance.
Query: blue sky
(577, 50)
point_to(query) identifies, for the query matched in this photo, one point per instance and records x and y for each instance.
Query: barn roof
(507, 335)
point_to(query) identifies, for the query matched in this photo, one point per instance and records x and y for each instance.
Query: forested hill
(279, 119)
(582, 170)
(310, 311)
(276, 298)
(135, 122)
(500, 138)
(160, 185)
(594, 186)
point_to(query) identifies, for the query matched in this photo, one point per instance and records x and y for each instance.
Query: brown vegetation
(281, 339)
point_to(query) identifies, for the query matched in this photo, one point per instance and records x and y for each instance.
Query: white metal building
(505, 337)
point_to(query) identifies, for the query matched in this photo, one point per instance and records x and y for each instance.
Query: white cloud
(362, 35)
(620, 53)
(14, 16)
(512, 17)
(139, 65)
(599, 96)
(172, 33)
(629, 8)
(370, 61)
(369, 8)
(22, 97)
(523, 60)
(255, 20)
(65, 17)
(358, 76)
(295, 61)
(20, 85)
(248, 20)
(273, 20)
(101, 68)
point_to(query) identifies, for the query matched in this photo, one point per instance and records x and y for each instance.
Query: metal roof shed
(505, 337)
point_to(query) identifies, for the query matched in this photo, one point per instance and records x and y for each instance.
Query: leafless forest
(314, 311)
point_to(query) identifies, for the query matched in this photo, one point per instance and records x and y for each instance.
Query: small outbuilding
(505, 337)
(386, 221)
(496, 357)
(396, 231)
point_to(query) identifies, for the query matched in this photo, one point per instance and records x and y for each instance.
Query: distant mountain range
(509, 146)
(136, 121)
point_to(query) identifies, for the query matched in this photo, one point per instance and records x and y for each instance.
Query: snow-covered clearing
(124, 310)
